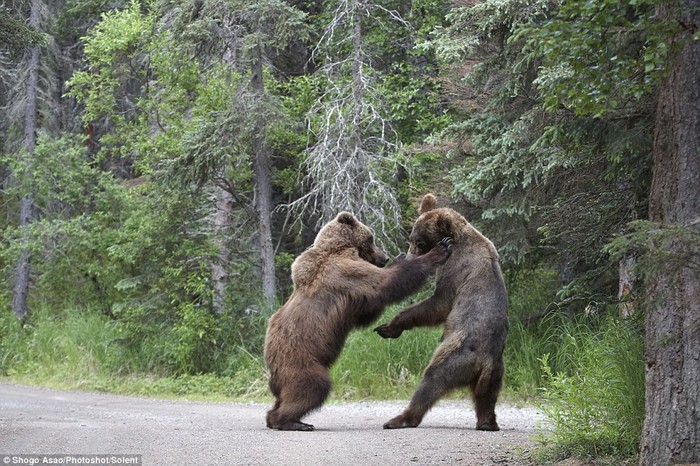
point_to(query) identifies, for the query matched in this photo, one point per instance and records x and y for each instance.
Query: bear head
(346, 231)
(434, 224)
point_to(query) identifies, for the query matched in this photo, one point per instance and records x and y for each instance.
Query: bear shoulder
(307, 266)
(330, 266)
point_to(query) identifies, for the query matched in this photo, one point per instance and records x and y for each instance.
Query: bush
(531, 293)
(84, 348)
(76, 345)
(594, 402)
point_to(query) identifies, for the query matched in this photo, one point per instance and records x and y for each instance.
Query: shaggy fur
(340, 283)
(470, 299)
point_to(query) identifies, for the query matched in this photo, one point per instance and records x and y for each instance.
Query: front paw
(447, 243)
(387, 331)
(445, 246)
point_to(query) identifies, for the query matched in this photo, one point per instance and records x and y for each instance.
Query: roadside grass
(81, 348)
(84, 350)
(594, 403)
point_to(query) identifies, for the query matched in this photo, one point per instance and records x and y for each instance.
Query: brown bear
(470, 299)
(339, 283)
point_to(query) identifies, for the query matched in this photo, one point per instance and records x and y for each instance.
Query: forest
(162, 163)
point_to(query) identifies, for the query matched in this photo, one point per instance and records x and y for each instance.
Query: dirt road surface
(43, 421)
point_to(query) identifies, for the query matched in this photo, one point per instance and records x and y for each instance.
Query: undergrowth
(595, 402)
(84, 348)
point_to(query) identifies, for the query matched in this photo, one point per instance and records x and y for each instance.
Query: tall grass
(595, 400)
(531, 293)
(55, 348)
(82, 348)
(371, 367)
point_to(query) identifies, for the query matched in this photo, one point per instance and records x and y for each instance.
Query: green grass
(595, 401)
(371, 367)
(82, 348)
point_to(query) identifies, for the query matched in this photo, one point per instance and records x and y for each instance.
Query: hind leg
(485, 403)
(428, 393)
(444, 374)
(297, 399)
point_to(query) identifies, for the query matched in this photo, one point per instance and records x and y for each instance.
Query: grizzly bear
(340, 283)
(470, 299)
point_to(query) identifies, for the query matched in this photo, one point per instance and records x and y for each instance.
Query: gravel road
(43, 421)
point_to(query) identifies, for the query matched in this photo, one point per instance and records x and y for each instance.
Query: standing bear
(339, 283)
(470, 299)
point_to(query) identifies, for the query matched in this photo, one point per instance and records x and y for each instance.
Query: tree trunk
(262, 182)
(23, 269)
(625, 287)
(21, 285)
(357, 150)
(219, 270)
(672, 342)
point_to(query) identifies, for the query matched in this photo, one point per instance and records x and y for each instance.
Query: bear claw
(447, 242)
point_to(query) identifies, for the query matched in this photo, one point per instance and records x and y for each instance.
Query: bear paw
(400, 422)
(387, 331)
(295, 425)
(490, 425)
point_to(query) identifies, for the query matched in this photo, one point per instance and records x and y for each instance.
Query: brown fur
(470, 299)
(339, 284)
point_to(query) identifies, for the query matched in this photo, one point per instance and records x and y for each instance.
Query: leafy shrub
(595, 403)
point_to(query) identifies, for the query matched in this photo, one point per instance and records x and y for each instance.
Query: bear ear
(346, 218)
(428, 203)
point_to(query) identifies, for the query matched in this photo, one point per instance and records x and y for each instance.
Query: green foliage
(16, 34)
(595, 405)
(597, 55)
(77, 345)
(114, 49)
(63, 183)
(131, 254)
(553, 182)
(413, 103)
(85, 349)
(56, 174)
(531, 295)
(657, 248)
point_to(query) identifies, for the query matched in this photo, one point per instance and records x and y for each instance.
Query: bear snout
(381, 260)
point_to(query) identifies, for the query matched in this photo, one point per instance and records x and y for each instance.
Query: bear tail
(482, 385)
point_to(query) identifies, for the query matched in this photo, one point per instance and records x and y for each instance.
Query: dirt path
(36, 420)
